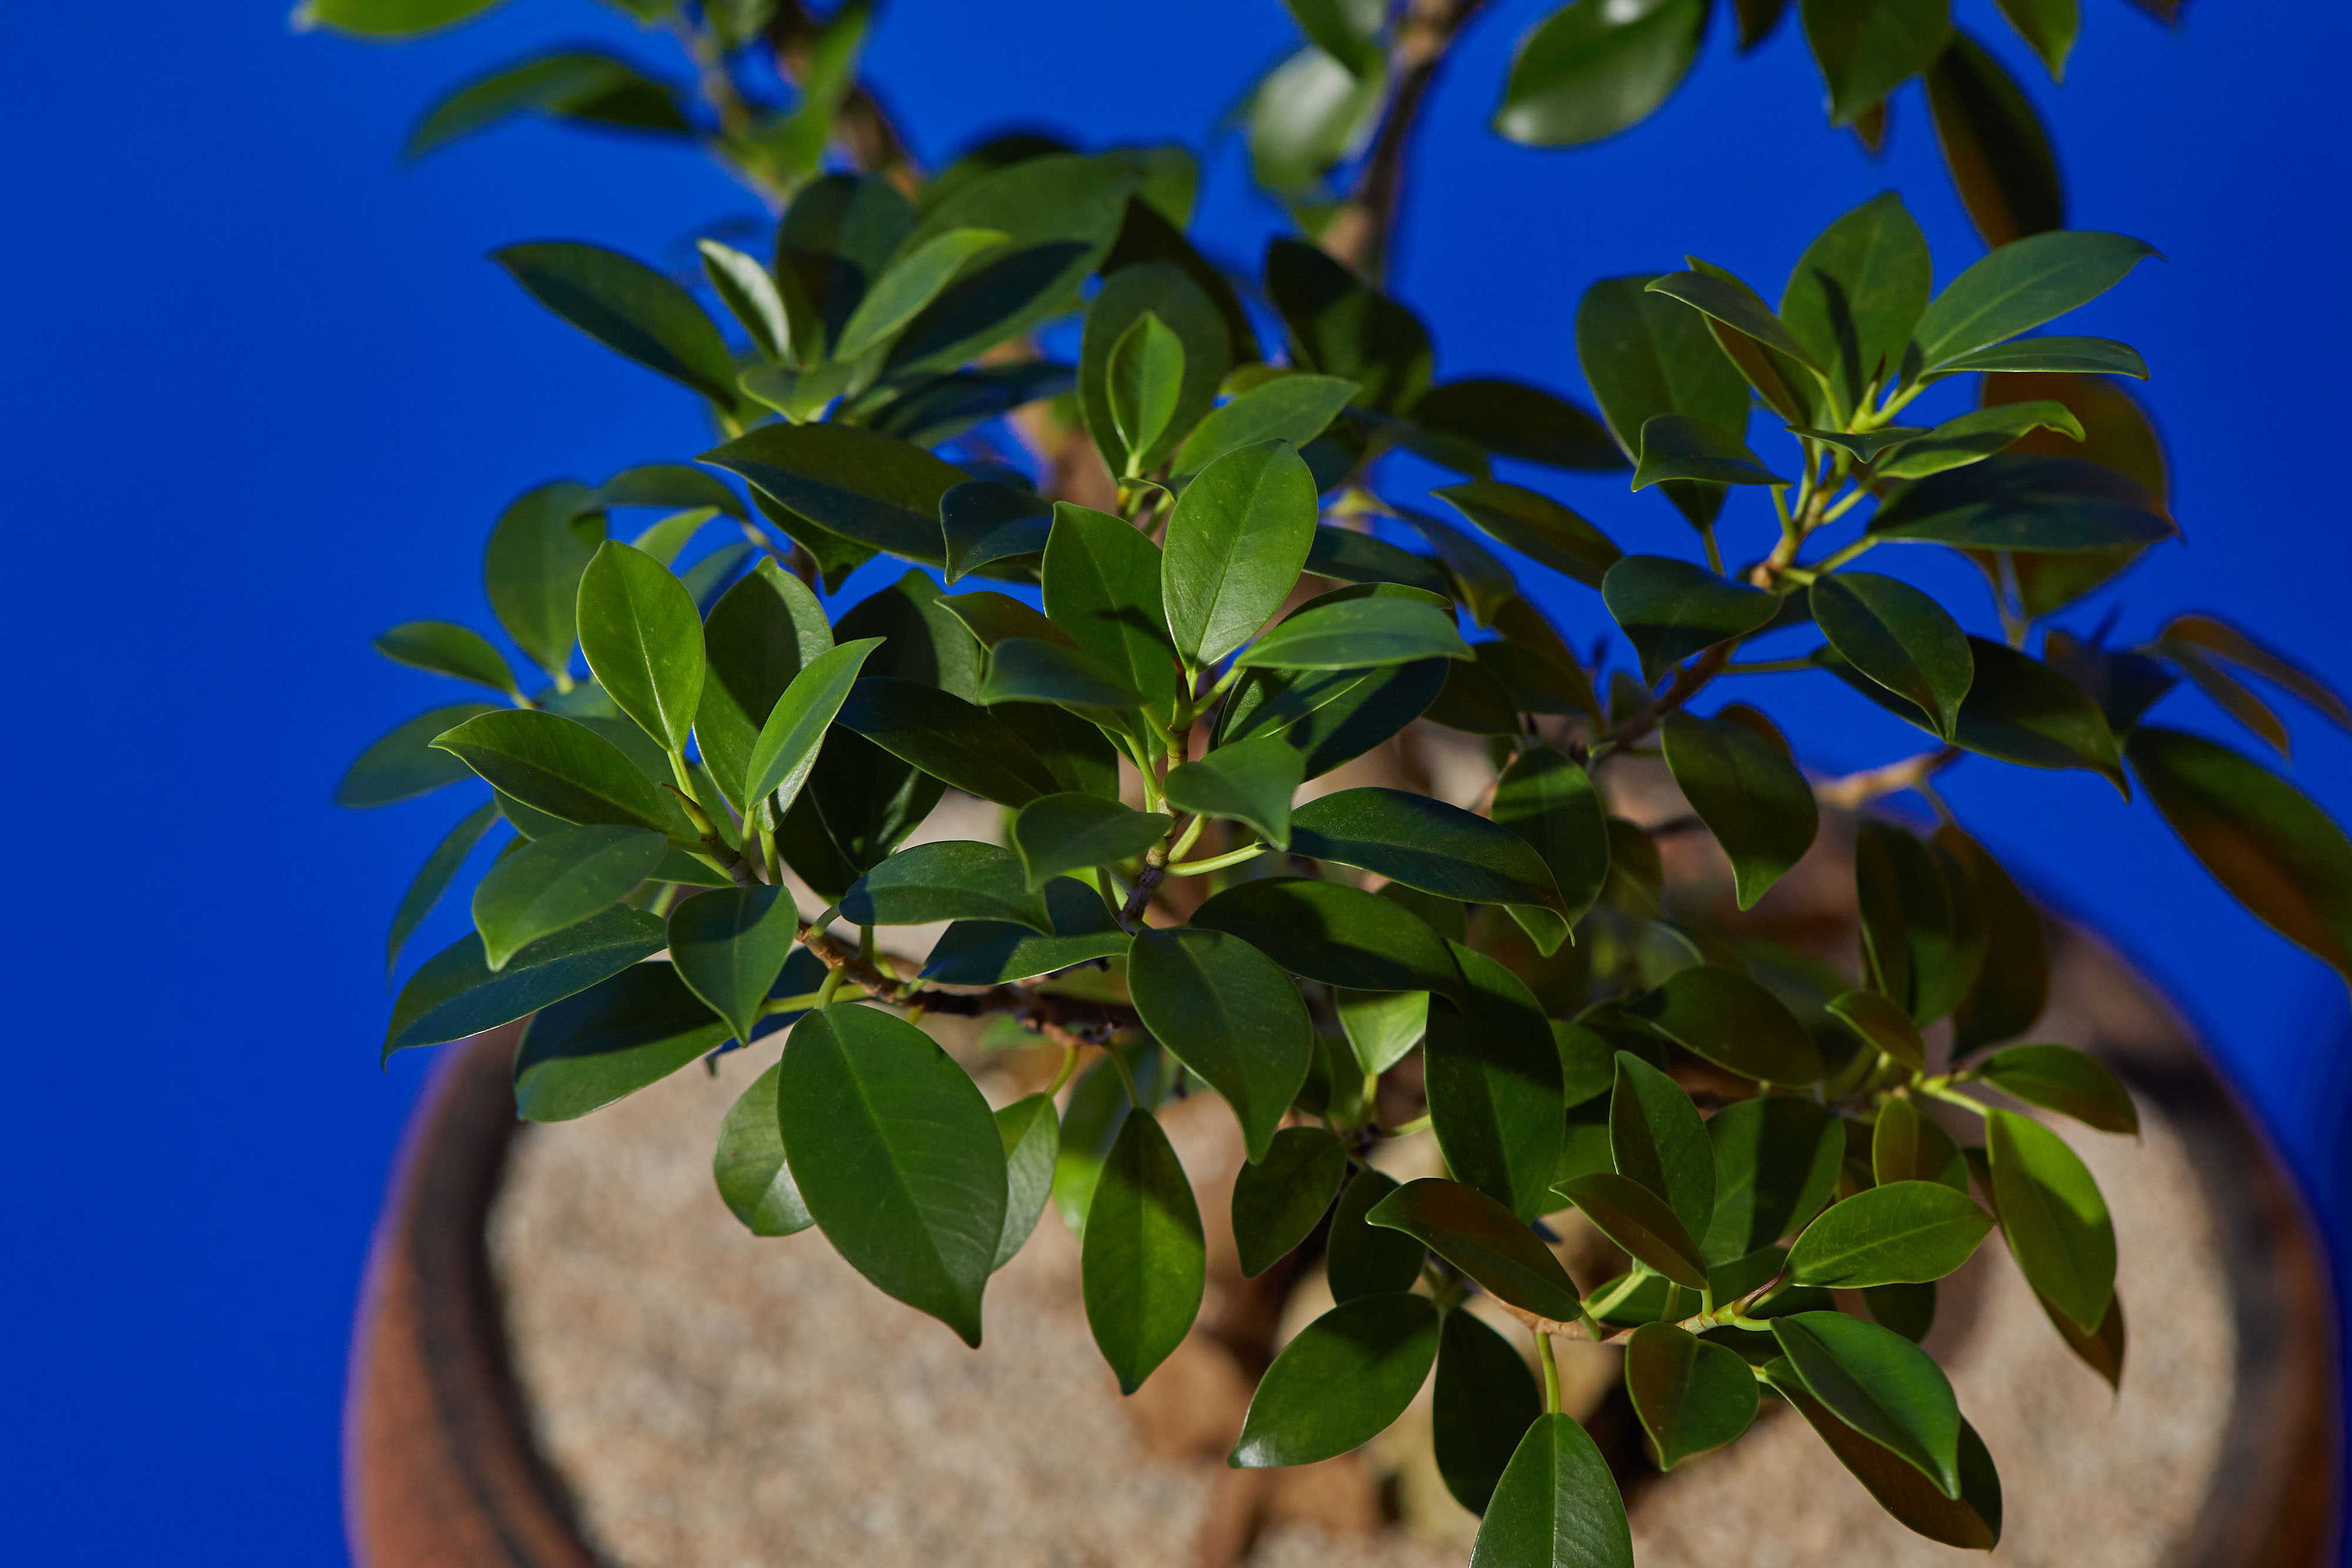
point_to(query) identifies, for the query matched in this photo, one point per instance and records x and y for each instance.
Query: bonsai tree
(1153, 596)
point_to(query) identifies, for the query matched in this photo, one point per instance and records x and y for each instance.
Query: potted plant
(1192, 596)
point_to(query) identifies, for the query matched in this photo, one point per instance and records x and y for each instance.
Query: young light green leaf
(1881, 1385)
(1142, 382)
(2060, 1078)
(1733, 1022)
(565, 769)
(1903, 1233)
(1072, 831)
(1032, 1134)
(630, 308)
(1748, 793)
(1330, 932)
(950, 879)
(1229, 1013)
(762, 632)
(1976, 435)
(1191, 352)
(1294, 408)
(1691, 1395)
(1898, 637)
(1591, 69)
(1339, 1381)
(1142, 1264)
(1657, 1138)
(643, 639)
(1250, 781)
(454, 994)
(2020, 286)
(908, 284)
(549, 884)
(1277, 1200)
(897, 1156)
(1671, 609)
(749, 292)
(786, 751)
(1236, 543)
(753, 1179)
(386, 18)
(1356, 634)
(2056, 1221)
(728, 945)
(1484, 1239)
(1381, 1026)
(1676, 446)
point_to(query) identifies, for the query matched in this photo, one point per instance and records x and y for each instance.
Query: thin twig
(1856, 790)
(1363, 230)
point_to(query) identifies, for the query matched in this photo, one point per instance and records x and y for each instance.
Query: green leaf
(1341, 326)
(835, 238)
(1306, 115)
(1905, 1146)
(2013, 984)
(1277, 1200)
(1102, 582)
(1339, 1381)
(1867, 48)
(997, 952)
(785, 752)
(1671, 609)
(1293, 408)
(1640, 1222)
(760, 635)
(1423, 843)
(1250, 781)
(1748, 793)
(1330, 719)
(549, 884)
(1856, 294)
(1657, 1138)
(1034, 669)
(565, 769)
(1922, 938)
(1691, 1395)
(2056, 1222)
(1901, 1233)
(1513, 419)
(1347, 30)
(1995, 145)
(748, 1164)
(1484, 1239)
(1237, 543)
(1330, 932)
(643, 639)
(749, 291)
(386, 18)
(1098, 1106)
(1142, 382)
(1483, 1401)
(1976, 435)
(1556, 1506)
(1971, 1521)
(1226, 1011)
(984, 521)
(1898, 637)
(1070, 831)
(1733, 1022)
(975, 749)
(433, 880)
(630, 308)
(2275, 851)
(540, 546)
(1356, 634)
(2103, 1352)
(672, 486)
(1675, 446)
(1381, 1026)
(1363, 1260)
(1881, 1385)
(950, 879)
(1593, 68)
(1031, 1135)
(1776, 1163)
(908, 284)
(1733, 303)
(447, 649)
(1535, 526)
(871, 487)
(1143, 1264)
(2077, 356)
(2060, 1078)
(729, 945)
(2018, 709)
(1884, 1025)
(1494, 1084)
(403, 765)
(2020, 286)
(1550, 802)
(454, 994)
(581, 85)
(897, 1156)
(605, 1043)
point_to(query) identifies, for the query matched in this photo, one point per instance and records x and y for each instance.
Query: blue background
(262, 397)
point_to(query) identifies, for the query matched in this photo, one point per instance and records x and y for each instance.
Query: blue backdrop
(262, 397)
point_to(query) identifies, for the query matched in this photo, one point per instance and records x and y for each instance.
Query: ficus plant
(1159, 587)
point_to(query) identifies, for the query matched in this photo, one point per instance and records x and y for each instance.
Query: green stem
(1551, 1373)
(1616, 1298)
(1126, 1078)
(1185, 839)
(1769, 667)
(1829, 564)
(1714, 550)
(1069, 1070)
(1217, 862)
(833, 983)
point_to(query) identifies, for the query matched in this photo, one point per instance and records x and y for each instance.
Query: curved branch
(1364, 228)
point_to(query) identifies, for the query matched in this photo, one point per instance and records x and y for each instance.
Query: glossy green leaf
(1776, 1163)
(1294, 408)
(997, 952)
(1550, 802)
(2077, 356)
(749, 291)
(874, 488)
(2020, 286)
(993, 618)
(1141, 383)
(1923, 941)
(2275, 851)
(447, 649)
(1365, 1259)
(403, 764)
(1229, 1013)
(1866, 49)
(643, 639)
(1994, 144)
(1484, 1239)
(1884, 1025)
(1340, 326)
(785, 752)
(1423, 843)
(1691, 1395)
(1556, 1506)
(1640, 1223)
(1331, 932)
(950, 879)
(1339, 1381)
(610, 1040)
(1099, 1105)
(908, 284)
(1347, 30)
(1676, 446)
(984, 521)
(762, 632)
(748, 1164)
(1898, 637)
(1535, 526)
(1483, 1401)
(541, 544)
(1671, 609)
(1657, 1138)
(1381, 1026)
(1856, 294)
(1593, 68)
(1330, 719)
(2013, 985)
(974, 749)
(386, 18)
(1748, 793)
(565, 769)
(1278, 1200)
(454, 994)
(630, 308)
(1973, 436)
(1881, 1385)
(1905, 1232)
(2056, 1222)
(1071, 831)
(1355, 634)
(729, 945)
(897, 1156)
(2018, 709)
(549, 884)
(1493, 1079)
(1102, 582)
(1194, 350)
(1733, 1022)
(1143, 1263)
(1907, 1147)
(1971, 1521)
(1510, 419)
(2060, 1078)
(2102, 1352)
(1249, 781)
(1236, 543)
(433, 880)
(1031, 1135)
(1733, 303)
